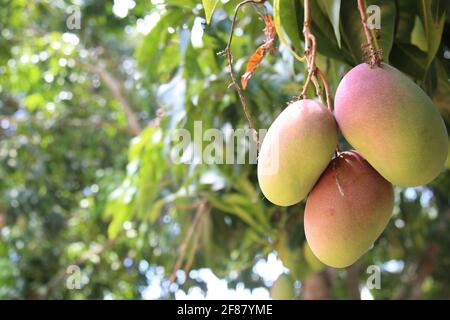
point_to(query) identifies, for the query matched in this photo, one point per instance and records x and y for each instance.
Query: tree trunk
(353, 282)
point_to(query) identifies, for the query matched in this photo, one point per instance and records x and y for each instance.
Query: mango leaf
(405, 19)
(409, 59)
(149, 51)
(430, 81)
(289, 17)
(118, 209)
(333, 9)
(156, 210)
(432, 14)
(418, 37)
(286, 21)
(254, 208)
(322, 28)
(209, 6)
(236, 210)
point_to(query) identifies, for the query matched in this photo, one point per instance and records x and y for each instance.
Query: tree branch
(227, 53)
(201, 209)
(353, 282)
(118, 93)
(316, 287)
(427, 265)
(76, 122)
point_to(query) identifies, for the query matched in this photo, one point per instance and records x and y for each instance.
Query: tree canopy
(88, 119)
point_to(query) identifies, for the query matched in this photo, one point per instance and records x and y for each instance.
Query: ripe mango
(392, 123)
(296, 149)
(347, 210)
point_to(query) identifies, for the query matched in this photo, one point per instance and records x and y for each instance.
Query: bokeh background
(92, 205)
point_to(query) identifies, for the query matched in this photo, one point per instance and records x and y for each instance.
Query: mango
(347, 210)
(282, 288)
(392, 123)
(315, 264)
(447, 163)
(296, 149)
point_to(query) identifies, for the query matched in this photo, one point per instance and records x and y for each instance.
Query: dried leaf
(256, 59)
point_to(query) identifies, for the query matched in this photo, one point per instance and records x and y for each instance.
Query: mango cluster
(399, 138)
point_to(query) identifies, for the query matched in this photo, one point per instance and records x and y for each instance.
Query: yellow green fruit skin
(347, 210)
(447, 163)
(282, 288)
(296, 149)
(315, 264)
(392, 123)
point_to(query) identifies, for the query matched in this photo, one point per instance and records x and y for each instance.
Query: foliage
(82, 184)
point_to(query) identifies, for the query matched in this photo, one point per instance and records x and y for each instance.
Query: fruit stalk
(327, 88)
(310, 50)
(310, 54)
(373, 56)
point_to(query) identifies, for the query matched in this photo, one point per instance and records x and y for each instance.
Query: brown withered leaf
(256, 58)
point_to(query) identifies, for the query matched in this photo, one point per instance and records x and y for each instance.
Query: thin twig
(326, 85)
(194, 247)
(227, 52)
(116, 89)
(201, 209)
(327, 89)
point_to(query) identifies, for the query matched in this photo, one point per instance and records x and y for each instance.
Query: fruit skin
(315, 264)
(347, 210)
(296, 149)
(392, 123)
(447, 163)
(282, 288)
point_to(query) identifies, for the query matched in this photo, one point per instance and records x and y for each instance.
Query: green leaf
(432, 14)
(418, 37)
(34, 101)
(430, 81)
(405, 19)
(286, 19)
(156, 210)
(209, 6)
(409, 59)
(149, 51)
(230, 206)
(333, 9)
(322, 28)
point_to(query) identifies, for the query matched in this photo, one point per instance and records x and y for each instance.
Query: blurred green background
(91, 203)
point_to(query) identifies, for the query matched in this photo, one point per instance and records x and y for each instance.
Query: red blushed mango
(347, 210)
(392, 123)
(296, 149)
